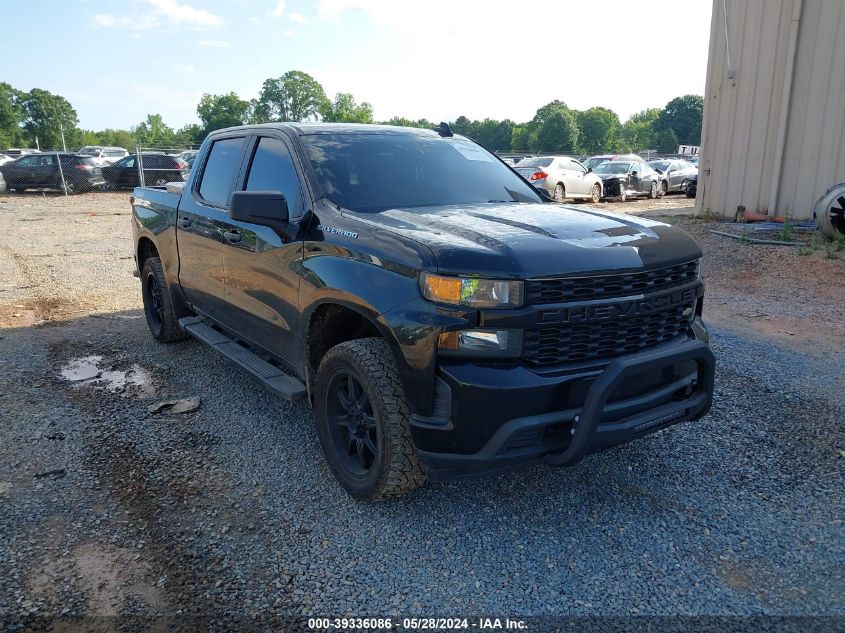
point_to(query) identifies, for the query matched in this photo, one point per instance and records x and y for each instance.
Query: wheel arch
(333, 320)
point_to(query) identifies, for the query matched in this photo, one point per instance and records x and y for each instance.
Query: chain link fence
(91, 169)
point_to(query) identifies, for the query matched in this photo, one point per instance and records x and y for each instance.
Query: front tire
(595, 194)
(652, 193)
(363, 421)
(157, 305)
(623, 196)
(560, 193)
(664, 188)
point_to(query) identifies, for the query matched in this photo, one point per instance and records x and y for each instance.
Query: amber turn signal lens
(445, 289)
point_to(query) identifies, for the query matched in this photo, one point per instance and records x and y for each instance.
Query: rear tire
(560, 193)
(363, 421)
(158, 309)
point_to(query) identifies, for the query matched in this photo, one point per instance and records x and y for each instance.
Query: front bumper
(564, 416)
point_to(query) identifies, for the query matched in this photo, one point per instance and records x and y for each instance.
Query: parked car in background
(692, 186)
(593, 161)
(70, 173)
(674, 173)
(5, 158)
(17, 152)
(562, 177)
(103, 155)
(693, 160)
(624, 179)
(159, 169)
(2, 184)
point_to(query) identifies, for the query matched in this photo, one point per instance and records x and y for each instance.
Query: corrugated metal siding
(742, 116)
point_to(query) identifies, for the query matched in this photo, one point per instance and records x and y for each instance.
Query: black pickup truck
(444, 318)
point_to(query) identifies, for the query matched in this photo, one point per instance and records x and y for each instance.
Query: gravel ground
(112, 515)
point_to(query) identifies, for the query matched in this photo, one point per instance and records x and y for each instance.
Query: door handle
(183, 223)
(232, 237)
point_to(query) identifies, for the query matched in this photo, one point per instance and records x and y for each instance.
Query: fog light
(495, 343)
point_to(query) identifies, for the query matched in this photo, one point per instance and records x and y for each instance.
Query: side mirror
(633, 173)
(660, 171)
(589, 170)
(268, 208)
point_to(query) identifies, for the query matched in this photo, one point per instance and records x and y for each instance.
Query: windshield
(662, 165)
(375, 172)
(89, 151)
(536, 162)
(612, 167)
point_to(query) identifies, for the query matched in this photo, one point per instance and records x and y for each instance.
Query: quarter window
(218, 176)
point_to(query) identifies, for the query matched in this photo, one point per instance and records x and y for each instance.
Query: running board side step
(284, 384)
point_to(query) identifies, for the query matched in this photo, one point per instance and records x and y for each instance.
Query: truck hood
(523, 240)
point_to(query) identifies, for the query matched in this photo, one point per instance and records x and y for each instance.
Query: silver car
(103, 156)
(674, 173)
(562, 177)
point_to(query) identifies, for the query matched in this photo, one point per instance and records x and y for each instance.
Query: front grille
(539, 291)
(572, 342)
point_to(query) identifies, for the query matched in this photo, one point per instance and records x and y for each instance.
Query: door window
(29, 161)
(272, 169)
(218, 176)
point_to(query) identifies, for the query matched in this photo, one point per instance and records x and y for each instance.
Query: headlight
(482, 343)
(471, 291)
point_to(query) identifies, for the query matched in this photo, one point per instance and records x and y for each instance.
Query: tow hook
(574, 424)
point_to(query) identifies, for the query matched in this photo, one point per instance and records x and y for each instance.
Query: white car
(103, 155)
(5, 159)
(562, 177)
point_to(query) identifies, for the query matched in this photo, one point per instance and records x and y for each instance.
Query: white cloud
(129, 22)
(102, 19)
(184, 13)
(213, 44)
(279, 10)
(298, 18)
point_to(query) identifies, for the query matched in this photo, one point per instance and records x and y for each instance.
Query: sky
(118, 60)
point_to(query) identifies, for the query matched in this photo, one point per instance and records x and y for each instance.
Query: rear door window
(272, 169)
(221, 168)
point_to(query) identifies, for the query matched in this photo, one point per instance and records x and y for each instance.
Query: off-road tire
(397, 470)
(165, 329)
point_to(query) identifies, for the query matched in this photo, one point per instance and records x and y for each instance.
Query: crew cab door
(260, 262)
(200, 222)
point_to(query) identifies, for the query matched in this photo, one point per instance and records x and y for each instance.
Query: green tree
(153, 132)
(494, 135)
(12, 116)
(462, 125)
(47, 115)
(683, 115)
(557, 133)
(547, 110)
(295, 96)
(666, 141)
(597, 130)
(519, 137)
(638, 131)
(219, 111)
(344, 109)
(190, 134)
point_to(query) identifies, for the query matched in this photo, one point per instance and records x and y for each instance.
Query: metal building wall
(773, 138)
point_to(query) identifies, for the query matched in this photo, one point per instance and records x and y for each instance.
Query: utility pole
(62, 130)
